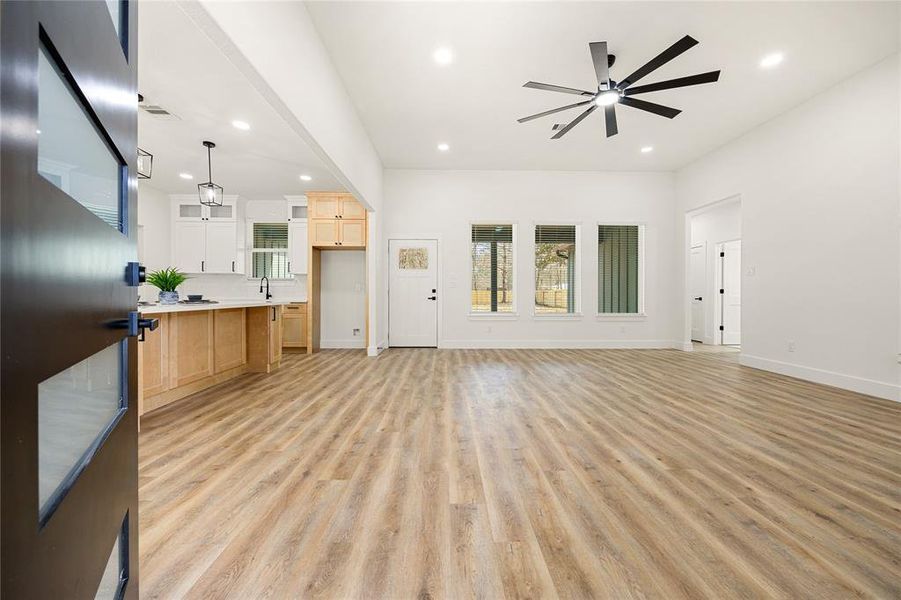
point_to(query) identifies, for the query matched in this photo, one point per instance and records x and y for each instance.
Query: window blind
(555, 234)
(492, 233)
(618, 256)
(270, 235)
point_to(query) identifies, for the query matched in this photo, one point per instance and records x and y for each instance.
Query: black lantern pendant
(145, 164)
(210, 193)
(145, 159)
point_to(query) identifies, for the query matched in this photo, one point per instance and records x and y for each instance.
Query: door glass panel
(413, 258)
(112, 584)
(72, 155)
(115, 12)
(76, 409)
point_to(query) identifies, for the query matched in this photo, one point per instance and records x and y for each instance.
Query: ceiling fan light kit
(610, 92)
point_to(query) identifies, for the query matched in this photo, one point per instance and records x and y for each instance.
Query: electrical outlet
(791, 346)
(356, 331)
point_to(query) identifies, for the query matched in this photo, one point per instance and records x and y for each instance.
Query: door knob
(135, 325)
(699, 298)
(432, 298)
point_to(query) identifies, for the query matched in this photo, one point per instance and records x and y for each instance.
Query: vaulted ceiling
(409, 104)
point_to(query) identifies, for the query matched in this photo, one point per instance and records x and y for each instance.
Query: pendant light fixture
(145, 159)
(210, 193)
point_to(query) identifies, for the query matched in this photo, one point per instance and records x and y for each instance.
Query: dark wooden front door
(68, 230)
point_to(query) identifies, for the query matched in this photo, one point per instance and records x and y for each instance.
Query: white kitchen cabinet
(221, 244)
(298, 247)
(205, 238)
(188, 246)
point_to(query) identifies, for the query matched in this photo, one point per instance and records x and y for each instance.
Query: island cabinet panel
(294, 326)
(275, 335)
(191, 337)
(230, 339)
(153, 358)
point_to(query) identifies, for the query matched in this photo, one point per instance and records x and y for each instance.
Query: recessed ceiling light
(646, 149)
(306, 178)
(771, 60)
(242, 125)
(186, 176)
(443, 56)
(443, 147)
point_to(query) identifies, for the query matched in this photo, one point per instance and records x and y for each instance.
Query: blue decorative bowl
(168, 297)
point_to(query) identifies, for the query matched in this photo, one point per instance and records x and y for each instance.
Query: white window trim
(642, 312)
(504, 316)
(574, 316)
(250, 250)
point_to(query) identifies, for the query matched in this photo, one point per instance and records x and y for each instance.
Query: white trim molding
(871, 387)
(558, 344)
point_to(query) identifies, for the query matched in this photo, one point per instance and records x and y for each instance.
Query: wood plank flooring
(521, 474)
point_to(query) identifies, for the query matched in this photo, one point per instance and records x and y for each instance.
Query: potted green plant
(167, 280)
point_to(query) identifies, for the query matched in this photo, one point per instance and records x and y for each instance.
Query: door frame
(704, 293)
(686, 343)
(438, 274)
(718, 320)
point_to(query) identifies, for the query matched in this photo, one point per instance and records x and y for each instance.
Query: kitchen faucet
(268, 295)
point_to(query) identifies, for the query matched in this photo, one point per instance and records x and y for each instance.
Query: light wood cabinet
(154, 358)
(324, 206)
(230, 335)
(324, 232)
(191, 346)
(351, 209)
(294, 326)
(275, 334)
(352, 234)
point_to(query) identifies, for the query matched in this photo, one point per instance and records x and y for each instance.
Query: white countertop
(156, 309)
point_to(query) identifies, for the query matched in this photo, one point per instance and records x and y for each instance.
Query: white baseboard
(686, 346)
(871, 387)
(338, 344)
(556, 344)
(376, 350)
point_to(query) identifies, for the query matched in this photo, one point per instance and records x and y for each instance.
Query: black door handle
(135, 325)
(432, 298)
(699, 298)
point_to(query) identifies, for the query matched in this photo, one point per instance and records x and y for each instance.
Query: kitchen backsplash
(233, 287)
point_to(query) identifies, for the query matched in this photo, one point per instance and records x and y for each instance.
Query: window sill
(557, 316)
(493, 316)
(621, 317)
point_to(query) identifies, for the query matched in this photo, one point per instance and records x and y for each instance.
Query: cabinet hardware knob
(202, 264)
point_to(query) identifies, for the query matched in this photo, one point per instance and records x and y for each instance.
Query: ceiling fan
(610, 92)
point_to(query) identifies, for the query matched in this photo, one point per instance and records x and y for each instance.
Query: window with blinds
(619, 254)
(492, 268)
(555, 269)
(269, 254)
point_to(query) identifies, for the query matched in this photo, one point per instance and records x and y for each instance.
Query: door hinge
(721, 328)
(722, 291)
(722, 254)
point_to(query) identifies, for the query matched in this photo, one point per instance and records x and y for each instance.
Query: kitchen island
(199, 345)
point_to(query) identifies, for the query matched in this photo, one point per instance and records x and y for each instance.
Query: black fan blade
(552, 111)
(599, 58)
(558, 126)
(610, 120)
(676, 83)
(657, 109)
(574, 122)
(659, 60)
(557, 88)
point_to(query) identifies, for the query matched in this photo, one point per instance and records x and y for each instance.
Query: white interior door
(413, 293)
(731, 296)
(698, 287)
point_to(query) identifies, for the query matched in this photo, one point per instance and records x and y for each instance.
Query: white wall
(711, 227)
(820, 221)
(343, 289)
(441, 204)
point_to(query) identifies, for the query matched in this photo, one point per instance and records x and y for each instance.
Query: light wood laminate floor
(517, 474)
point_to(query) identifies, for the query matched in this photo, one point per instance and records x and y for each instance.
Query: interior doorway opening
(714, 274)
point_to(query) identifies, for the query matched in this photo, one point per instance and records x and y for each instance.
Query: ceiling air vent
(158, 112)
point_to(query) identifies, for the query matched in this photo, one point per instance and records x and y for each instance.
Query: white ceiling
(383, 51)
(181, 70)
